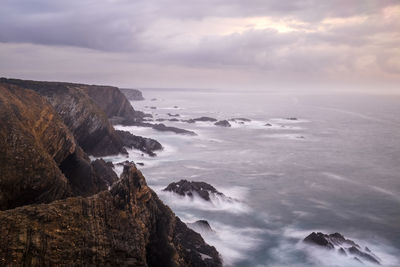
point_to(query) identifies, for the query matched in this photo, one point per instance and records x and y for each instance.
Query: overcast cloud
(208, 43)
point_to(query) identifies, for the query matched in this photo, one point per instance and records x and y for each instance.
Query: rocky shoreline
(55, 205)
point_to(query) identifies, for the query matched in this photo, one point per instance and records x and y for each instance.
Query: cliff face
(132, 94)
(40, 160)
(126, 226)
(89, 124)
(114, 103)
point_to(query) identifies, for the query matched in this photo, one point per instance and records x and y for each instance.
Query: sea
(306, 162)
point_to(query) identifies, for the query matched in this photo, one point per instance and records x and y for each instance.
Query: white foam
(217, 203)
(328, 258)
(233, 243)
(290, 136)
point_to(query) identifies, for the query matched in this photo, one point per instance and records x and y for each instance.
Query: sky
(230, 44)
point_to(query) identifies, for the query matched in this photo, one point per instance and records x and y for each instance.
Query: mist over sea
(334, 169)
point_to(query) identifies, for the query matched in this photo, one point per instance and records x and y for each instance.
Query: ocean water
(335, 169)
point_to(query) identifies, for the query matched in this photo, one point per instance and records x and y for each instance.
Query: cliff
(132, 94)
(126, 226)
(114, 103)
(40, 160)
(56, 209)
(87, 121)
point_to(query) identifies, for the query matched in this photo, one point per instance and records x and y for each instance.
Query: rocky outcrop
(40, 161)
(187, 188)
(223, 123)
(125, 226)
(144, 144)
(344, 246)
(132, 94)
(163, 128)
(87, 121)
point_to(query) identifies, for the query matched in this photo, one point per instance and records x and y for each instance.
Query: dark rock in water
(344, 246)
(342, 251)
(201, 226)
(319, 239)
(127, 225)
(144, 144)
(173, 115)
(153, 99)
(187, 188)
(174, 119)
(223, 123)
(163, 128)
(268, 124)
(176, 107)
(205, 119)
(153, 107)
(140, 163)
(160, 119)
(292, 119)
(363, 255)
(132, 94)
(240, 119)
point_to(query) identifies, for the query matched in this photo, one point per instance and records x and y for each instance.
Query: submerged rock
(187, 188)
(344, 246)
(205, 119)
(240, 119)
(189, 121)
(223, 123)
(292, 119)
(164, 128)
(173, 115)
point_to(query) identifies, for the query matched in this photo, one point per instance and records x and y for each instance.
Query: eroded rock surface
(126, 226)
(80, 113)
(40, 160)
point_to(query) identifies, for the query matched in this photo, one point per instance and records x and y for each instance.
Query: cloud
(279, 39)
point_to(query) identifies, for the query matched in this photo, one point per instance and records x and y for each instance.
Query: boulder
(223, 123)
(187, 188)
